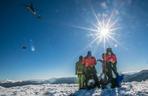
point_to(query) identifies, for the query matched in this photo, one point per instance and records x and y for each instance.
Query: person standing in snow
(80, 72)
(90, 70)
(111, 62)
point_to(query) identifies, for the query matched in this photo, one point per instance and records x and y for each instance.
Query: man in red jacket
(89, 60)
(111, 62)
(90, 70)
(111, 58)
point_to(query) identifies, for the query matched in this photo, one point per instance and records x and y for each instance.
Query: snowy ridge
(127, 89)
(12, 83)
(8, 84)
(139, 76)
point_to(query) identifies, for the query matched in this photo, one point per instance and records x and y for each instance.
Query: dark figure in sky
(24, 47)
(33, 11)
(30, 8)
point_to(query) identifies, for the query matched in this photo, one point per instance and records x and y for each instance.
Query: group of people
(87, 73)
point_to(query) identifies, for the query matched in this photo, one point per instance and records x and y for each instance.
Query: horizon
(37, 79)
(49, 46)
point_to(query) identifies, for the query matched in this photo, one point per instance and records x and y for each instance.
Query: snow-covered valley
(127, 89)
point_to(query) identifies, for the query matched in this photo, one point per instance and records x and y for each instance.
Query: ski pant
(114, 68)
(104, 70)
(110, 69)
(81, 80)
(91, 73)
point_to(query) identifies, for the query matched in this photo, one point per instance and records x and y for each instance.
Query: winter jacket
(110, 58)
(89, 61)
(80, 68)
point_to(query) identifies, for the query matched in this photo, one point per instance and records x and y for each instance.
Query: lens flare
(104, 32)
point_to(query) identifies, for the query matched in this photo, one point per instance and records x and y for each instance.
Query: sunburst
(104, 32)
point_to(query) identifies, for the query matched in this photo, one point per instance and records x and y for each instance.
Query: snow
(127, 89)
(10, 81)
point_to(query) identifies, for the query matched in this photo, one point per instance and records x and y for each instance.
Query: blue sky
(58, 44)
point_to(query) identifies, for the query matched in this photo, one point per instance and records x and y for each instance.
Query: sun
(104, 32)
(106, 29)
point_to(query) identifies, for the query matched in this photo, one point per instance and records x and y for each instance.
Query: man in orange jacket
(89, 60)
(111, 58)
(90, 70)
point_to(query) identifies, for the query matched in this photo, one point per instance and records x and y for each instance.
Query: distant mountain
(139, 76)
(66, 80)
(19, 83)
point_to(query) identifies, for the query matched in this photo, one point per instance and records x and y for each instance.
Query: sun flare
(104, 32)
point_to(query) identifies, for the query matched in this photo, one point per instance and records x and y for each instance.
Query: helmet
(80, 57)
(109, 49)
(89, 53)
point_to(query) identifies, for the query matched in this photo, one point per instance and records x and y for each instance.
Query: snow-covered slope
(139, 76)
(128, 89)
